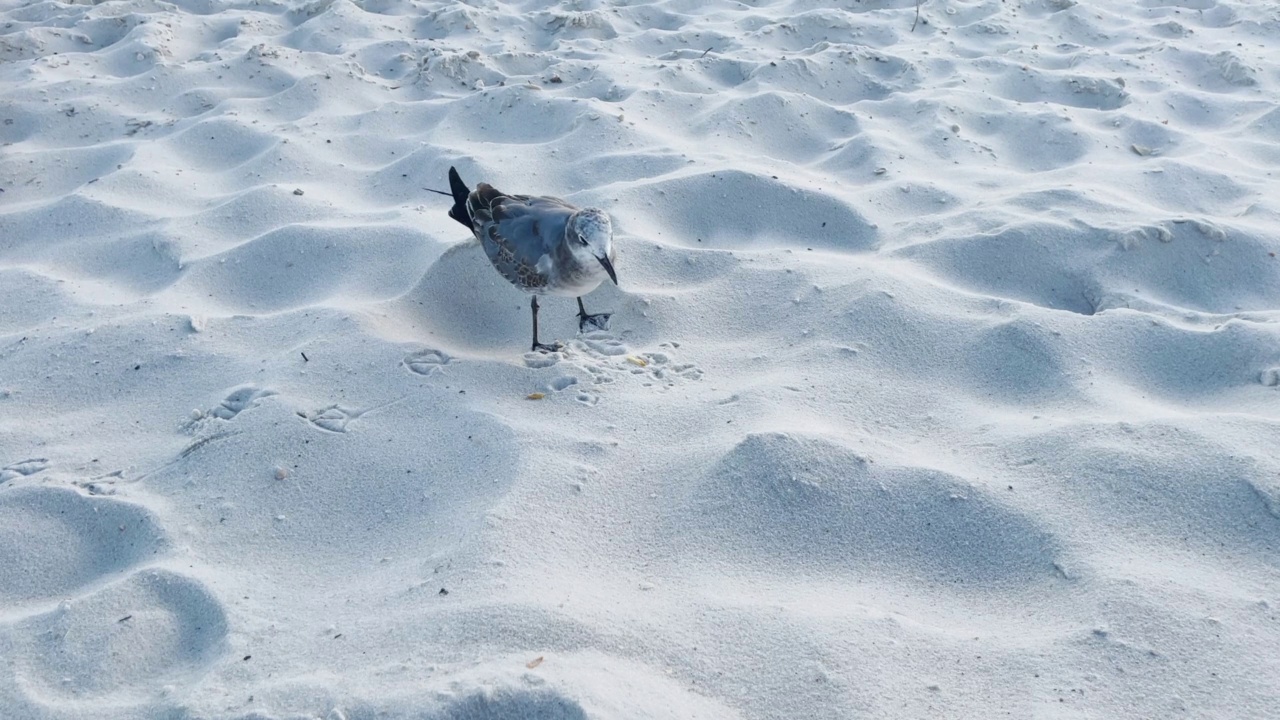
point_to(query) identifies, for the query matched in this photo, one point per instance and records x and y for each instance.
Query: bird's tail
(460, 193)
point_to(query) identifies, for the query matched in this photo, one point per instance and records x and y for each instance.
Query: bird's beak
(608, 267)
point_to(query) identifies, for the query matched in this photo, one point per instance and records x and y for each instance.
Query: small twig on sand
(704, 52)
(913, 25)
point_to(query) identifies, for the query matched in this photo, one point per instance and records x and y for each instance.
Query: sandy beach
(942, 381)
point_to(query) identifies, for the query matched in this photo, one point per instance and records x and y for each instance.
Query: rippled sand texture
(943, 378)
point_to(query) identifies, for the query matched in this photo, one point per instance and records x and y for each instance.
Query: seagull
(542, 245)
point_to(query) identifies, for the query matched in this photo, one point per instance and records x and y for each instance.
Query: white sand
(962, 394)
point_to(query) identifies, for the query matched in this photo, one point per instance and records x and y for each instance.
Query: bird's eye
(582, 239)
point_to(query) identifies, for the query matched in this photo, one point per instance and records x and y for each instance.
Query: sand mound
(806, 504)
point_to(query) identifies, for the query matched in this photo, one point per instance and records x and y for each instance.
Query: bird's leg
(537, 346)
(600, 321)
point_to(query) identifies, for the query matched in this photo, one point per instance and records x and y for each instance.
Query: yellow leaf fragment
(536, 396)
(637, 360)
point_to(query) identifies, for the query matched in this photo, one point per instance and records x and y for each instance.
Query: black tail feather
(460, 193)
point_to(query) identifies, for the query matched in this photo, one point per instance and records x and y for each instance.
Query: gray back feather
(517, 230)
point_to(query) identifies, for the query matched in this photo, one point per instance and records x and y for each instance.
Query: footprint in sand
(336, 418)
(239, 400)
(333, 418)
(659, 368)
(236, 402)
(601, 344)
(605, 360)
(573, 384)
(540, 360)
(663, 367)
(563, 382)
(22, 468)
(426, 362)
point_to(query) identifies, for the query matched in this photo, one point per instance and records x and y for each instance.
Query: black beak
(608, 267)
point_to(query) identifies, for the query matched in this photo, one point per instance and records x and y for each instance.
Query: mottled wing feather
(517, 231)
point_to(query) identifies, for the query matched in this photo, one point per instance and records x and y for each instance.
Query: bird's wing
(517, 231)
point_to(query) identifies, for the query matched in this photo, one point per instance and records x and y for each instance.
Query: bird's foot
(541, 347)
(599, 321)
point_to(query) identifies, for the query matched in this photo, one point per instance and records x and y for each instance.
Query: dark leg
(599, 321)
(537, 346)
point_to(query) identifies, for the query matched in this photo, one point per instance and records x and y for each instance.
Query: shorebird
(542, 245)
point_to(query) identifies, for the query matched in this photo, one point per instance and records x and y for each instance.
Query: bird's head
(590, 236)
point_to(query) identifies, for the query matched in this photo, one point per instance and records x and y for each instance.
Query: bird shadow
(462, 303)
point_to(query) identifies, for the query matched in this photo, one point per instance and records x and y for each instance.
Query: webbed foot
(599, 321)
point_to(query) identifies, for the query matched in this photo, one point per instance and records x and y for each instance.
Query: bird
(542, 245)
